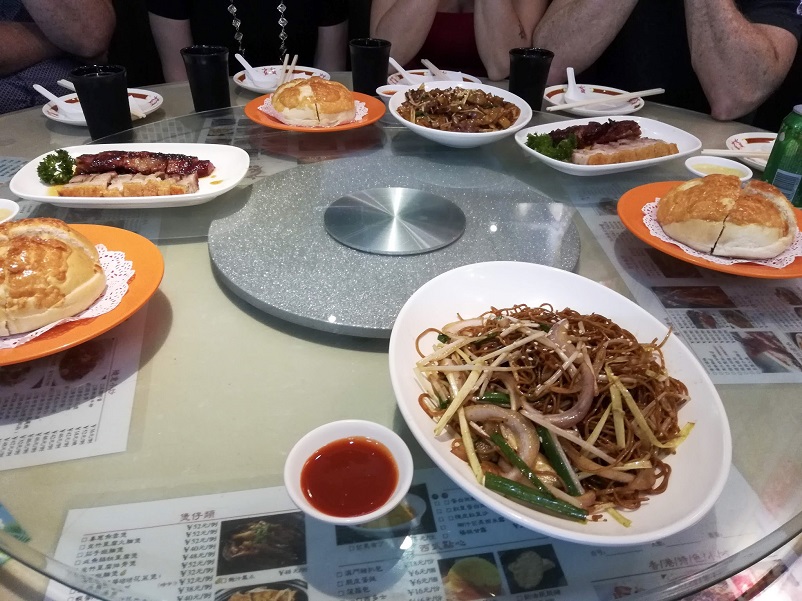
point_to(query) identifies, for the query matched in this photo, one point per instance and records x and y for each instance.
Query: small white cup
(698, 164)
(331, 432)
(388, 91)
(8, 210)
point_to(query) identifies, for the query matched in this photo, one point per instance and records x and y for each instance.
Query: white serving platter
(650, 128)
(470, 290)
(231, 164)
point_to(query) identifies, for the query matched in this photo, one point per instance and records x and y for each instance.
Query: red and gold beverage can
(784, 167)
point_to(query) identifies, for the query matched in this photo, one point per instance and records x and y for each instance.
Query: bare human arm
(58, 28)
(405, 23)
(332, 41)
(501, 25)
(170, 35)
(738, 63)
(578, 32)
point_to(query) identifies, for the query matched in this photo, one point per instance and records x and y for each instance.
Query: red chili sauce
(349, 477)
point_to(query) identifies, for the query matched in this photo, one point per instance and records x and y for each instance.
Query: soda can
(784, 167)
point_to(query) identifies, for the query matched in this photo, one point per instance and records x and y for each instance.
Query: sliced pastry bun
(715, 215)
(48, 271)
(314, 102)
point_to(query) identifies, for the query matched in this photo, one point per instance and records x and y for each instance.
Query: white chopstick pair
(286, 73)
(735, 153)
(616, 98)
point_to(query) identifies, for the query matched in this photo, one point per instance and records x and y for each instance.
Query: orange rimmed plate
(375, 108)
(630, 210)
(148, 271)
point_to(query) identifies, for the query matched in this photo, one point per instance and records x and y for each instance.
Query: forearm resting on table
(405, 23)
(578, 32)
(738, 63)
(170, 36)
(79, 27)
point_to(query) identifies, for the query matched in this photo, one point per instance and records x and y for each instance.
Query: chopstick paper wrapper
(784, 259)
(118, 272)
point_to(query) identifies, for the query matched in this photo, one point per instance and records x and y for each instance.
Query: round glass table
(265, 325)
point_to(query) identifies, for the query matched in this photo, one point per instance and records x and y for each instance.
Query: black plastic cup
(207, 72)
(529, 70)
(103, 93)
(370, 61)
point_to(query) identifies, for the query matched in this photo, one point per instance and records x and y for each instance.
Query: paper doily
(359, 106)
(784, 259)
(118, 272)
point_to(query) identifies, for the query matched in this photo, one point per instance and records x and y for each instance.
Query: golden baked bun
(314, 102)
(714, 214)
(48, 271)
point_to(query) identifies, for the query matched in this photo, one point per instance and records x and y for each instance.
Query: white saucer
(759, 141)
(554, 96)
(147, 101)
(273, 71)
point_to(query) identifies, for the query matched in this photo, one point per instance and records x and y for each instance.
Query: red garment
(451, 44)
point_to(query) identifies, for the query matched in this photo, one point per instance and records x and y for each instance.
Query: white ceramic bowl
(464, 139)
(8, 210)
(388, 91)
(472, 289)
(327, 433)
(707, 165)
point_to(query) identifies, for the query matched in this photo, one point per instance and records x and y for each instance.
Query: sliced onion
(526, 439)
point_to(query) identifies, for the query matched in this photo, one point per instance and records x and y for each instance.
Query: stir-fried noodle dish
(564, 412)
(458, 109)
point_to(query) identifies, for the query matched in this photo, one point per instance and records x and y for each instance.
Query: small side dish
(348, 472)
(715, 215)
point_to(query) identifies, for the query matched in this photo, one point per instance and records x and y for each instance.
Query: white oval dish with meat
(110, 185)
(625, 143)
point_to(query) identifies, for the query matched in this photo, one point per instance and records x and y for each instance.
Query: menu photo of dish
(767, 352)
(286, 590)
(410, 517)
(261, 543)
(532, 568)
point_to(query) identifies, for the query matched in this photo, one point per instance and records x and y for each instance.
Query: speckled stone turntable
(276, 253)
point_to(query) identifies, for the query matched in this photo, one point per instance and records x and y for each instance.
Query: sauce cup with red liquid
(348, 472)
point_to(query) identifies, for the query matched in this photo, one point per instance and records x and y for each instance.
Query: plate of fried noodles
(559, 403)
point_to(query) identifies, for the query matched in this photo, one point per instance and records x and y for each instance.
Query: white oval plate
(424, 75)
(759, 141)
(146, 100)
(230, 166)
(459, 139)
(555, 95)
(472, 289)
(273, 71)
(686, 143)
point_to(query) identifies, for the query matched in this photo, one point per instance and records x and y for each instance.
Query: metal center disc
(394, 221)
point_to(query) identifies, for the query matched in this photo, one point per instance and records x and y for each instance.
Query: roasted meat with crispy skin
(143, 162)
(598, 133)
